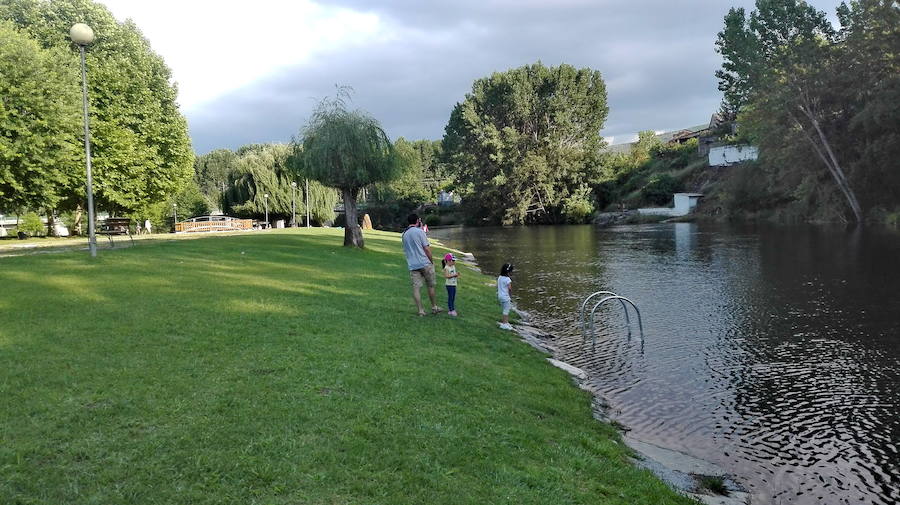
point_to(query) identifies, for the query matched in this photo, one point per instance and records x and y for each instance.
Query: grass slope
(279, 368)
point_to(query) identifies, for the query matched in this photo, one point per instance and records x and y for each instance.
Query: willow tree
(262, 169)
(347, 150)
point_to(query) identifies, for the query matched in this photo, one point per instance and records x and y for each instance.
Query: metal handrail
(584, 306)
(622, 300)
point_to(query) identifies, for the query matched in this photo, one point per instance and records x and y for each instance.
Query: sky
(251, 72)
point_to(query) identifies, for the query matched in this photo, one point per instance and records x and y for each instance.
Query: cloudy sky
(251, 71)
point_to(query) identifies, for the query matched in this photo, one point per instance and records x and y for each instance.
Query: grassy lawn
(276, 368)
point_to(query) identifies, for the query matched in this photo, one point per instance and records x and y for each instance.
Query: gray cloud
(657, 58)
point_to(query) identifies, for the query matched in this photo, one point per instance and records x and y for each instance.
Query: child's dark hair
(443, 263)
(506, 269)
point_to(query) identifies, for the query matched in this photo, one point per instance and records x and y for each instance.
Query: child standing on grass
(450, 277)
(504, 290)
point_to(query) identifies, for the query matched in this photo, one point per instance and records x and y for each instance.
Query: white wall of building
(684, 204)
(724, 156)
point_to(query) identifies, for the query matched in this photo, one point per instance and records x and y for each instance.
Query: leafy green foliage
(650, 173)
(660, 188)
(647, 143)
(390, 202)
(211, 172)
(409, 188)
(32, 225)
(347, 150)
(525, 140)
(432, 219)
(262, 169)
(39, 120)
(812, 96)
(140, 146)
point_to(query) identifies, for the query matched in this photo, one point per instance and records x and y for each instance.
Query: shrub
(746, 189)
(578, 207)
(32, 225)
(660, 188)
(432, 220)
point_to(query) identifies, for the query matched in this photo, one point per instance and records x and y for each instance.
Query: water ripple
(773, 352)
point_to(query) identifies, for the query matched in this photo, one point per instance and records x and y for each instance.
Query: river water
(771, 351)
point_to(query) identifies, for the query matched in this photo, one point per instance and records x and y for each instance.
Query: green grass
(282, 368)
(713, 483)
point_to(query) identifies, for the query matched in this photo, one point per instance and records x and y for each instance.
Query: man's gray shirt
(414, 242)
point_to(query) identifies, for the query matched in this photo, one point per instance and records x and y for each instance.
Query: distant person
(450, 281)
(137, 228)
(421, 266)
(148, 228)
(504, 294)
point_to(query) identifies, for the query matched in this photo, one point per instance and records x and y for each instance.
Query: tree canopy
(261, 169)
(348, 150)
(812, 96)
(524, 144)
(140, 146)
(39, 114)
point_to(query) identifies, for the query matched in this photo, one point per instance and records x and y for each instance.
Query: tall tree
(211, 172)
(868, 87)
(141, 149)
(410, 185)
(348, 150)
(39, 155)
(261, 171)
(777, 69)
(524, 144)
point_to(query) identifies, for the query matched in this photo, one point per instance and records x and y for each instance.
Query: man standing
(418, 259)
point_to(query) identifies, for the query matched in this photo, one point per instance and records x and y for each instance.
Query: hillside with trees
(821, 102)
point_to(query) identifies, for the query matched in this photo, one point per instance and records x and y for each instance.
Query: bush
(578, 207)
(433, 220)
(746, 190)
(660, 189)
(31, 225)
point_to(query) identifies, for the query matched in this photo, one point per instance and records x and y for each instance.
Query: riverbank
(280, 367)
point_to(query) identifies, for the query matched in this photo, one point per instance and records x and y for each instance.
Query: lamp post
(266, 200)
(294, 204)
(307, 203)
(82, 35)
(174, 217)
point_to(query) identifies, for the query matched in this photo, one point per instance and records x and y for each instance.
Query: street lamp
(294, 204)
(175, 217)
(307, 203)
(266, 200)
(82, 35)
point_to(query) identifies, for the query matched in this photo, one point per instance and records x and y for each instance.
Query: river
(773, 352)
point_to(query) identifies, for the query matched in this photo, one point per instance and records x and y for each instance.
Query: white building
(684, 203)
(724, 156)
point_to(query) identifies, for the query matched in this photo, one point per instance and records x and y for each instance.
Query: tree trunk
(78, 215)
(833, 165)
(51, 225)
(352, 233)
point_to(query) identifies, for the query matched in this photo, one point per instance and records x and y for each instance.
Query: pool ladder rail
(588, 324)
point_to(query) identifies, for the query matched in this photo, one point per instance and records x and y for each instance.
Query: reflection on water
(771, 351)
